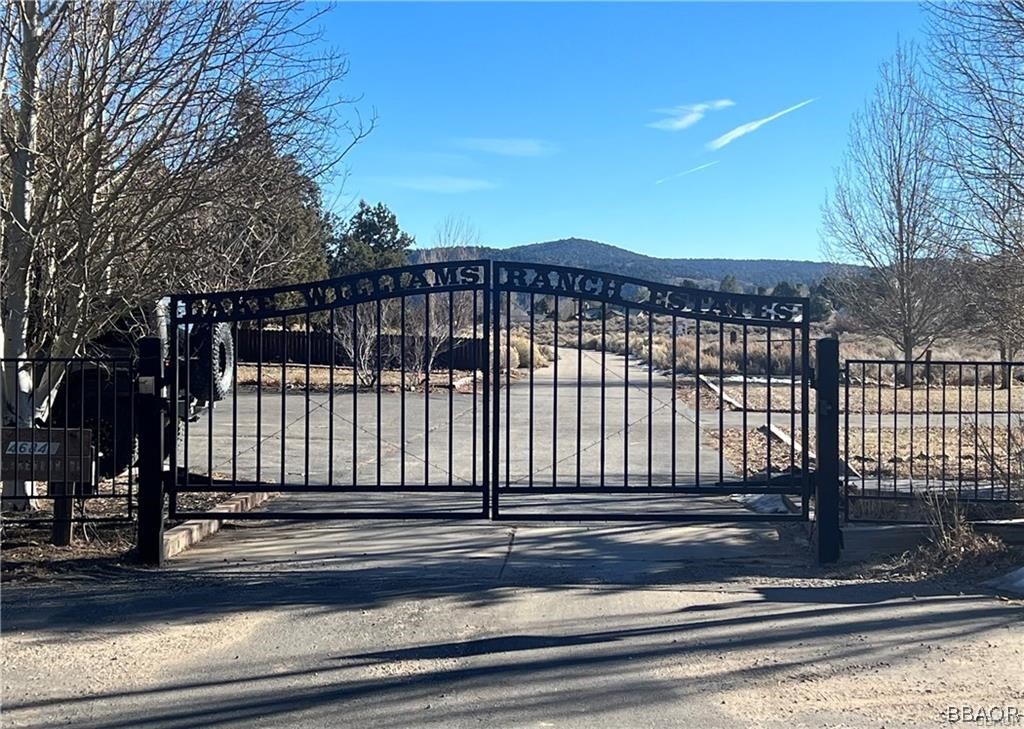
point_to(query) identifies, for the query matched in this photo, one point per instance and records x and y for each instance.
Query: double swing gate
(480, 389)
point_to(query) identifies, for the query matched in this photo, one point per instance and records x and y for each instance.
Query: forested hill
(604, 257)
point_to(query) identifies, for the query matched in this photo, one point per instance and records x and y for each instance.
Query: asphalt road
(446, 624)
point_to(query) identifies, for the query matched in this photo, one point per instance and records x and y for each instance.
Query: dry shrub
(953, 540)
(523, 348)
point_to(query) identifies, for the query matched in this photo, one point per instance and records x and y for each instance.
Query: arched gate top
(485, 275)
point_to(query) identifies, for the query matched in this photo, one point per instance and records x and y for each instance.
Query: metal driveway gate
(655, 401)
(480, 389)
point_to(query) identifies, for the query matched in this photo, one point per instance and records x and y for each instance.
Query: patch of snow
(762, 503)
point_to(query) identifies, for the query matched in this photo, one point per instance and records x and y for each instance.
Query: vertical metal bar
(49, 427)
(974, 427)
(579, 390)
(476, 363)
(402, 336)
(845, 382)
(210, 365)
(1008, 370)
(331, 328)
(82, 460)
(355, 394)
(33, 405)
(530, 420)
(878, 430)
(132, 424)
(696, 392)
(284, 385)
(768, 391)
(863, 424)
(927, 423)
(910, 384)
(895, 430)
(554, 403)
(309, 357)
(992, 432)
(960, 428)
(746, 431)
(625, 407)
(943, 435)
(805, 415)
(427, 366)
(234, 403)
(492, 315)
(489, 452)
(604, 333)
(650, 398)
(99, 420)
(508, 387)
(721, 402)
(380, 377)
(675, 369)
(174, 357)
(67, 418)
(451, 385)
(792, 401)
(183, 361)
(259, 401)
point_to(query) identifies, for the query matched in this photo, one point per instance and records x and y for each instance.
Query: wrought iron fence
(933, 429)
(69, 443)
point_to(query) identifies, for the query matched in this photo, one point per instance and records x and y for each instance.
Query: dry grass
(935, 399)
(970, 455)
(733, 443)
(920, 399)
(320, 378)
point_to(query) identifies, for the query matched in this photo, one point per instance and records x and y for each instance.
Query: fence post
(826, 479)
(150, 415)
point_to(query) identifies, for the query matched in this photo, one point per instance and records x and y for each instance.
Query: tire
(213, 363)
(174, 434)
(114, 438)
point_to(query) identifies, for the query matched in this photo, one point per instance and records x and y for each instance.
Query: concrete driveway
(558, 426)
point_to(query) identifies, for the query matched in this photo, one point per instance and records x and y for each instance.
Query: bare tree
(888, 214)
(116, 125)
(978, 51)
(992, 287)
(444, 317)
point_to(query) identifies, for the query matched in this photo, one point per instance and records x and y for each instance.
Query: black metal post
(826, 479)
(149, 407)
(60, 534)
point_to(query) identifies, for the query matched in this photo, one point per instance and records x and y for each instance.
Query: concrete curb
(178, 539)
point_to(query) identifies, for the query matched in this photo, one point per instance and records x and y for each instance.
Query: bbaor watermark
(984, 715)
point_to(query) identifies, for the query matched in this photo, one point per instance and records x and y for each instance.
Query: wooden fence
(291, 346)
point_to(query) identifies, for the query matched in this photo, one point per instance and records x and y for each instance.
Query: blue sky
(671, 129)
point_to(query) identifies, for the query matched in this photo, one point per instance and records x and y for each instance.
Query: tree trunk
(18, 376)
(1006, 379)
(908, 362)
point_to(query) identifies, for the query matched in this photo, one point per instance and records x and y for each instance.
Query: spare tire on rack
(212, 362)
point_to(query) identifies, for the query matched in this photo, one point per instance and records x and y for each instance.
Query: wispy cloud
(442, 184)
(508, 146)
(684, 173)
(682, 117)
(744, 129)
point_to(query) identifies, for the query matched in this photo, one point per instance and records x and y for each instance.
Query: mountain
(706, 272)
